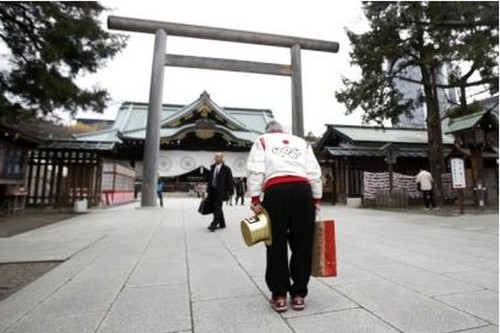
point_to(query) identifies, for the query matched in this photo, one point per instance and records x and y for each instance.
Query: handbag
(206, 206)
(324, 256)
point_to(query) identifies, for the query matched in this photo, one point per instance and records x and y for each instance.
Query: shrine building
(189, 137)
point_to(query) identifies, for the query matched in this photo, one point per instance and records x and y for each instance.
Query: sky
(127, 76)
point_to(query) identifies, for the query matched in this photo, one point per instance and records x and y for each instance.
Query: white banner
(173, 163)
(377, 182)
(458, 173)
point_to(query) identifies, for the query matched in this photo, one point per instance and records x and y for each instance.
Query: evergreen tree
(473, 47)
(404, 36)
(46, 47)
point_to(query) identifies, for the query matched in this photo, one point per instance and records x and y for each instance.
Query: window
(11, 163)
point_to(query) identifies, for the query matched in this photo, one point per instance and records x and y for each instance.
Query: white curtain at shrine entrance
(173, 163)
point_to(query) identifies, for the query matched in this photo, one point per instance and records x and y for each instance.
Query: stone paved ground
(14, 276)
(159, 270)
(31, 219)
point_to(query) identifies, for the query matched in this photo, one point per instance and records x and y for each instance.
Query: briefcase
(206, 206)
(324, 256)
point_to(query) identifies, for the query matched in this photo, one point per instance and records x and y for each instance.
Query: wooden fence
(59, 177)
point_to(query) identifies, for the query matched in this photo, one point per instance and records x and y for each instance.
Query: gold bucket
(256, 229)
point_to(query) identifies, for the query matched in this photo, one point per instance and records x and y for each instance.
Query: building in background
(189, 136)
(476, 138)
(411, 90)
(347, 152)
(14, 148)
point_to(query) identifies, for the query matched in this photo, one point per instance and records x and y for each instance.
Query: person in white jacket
(424, 182)
(283, 169)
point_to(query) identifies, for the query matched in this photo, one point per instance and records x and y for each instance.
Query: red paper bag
(324, 257)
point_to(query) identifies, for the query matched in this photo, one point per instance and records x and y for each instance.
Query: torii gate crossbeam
(161, 59)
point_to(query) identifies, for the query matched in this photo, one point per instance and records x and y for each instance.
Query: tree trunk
(434, 132)
(463, 97)
(476, 157)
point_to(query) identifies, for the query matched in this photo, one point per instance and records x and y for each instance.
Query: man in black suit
(220, 187)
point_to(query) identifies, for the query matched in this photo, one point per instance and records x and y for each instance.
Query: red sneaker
(298, 303)
(279, 304)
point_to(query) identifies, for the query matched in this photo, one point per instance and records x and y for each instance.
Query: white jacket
(280, 154)
(425, 179)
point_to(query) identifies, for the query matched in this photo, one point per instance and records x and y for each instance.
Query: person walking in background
(239, 187)
(159, 190)
(220, 187)
(284, 167)
(230, 200)
(424, 183)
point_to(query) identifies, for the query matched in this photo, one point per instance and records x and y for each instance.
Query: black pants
(218, 214)
(240, 196)
(429, 199)
(160, 196)
(291, 210)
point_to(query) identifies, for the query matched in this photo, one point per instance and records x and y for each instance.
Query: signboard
(458, 173)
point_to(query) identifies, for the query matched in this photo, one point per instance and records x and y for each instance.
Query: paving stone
(487, 329)
(243, 314)
(215, 284)
(477, 277)
(15, 276)
(149, 309)
(252, 259)
(474, 262)
(321, 298)
(431, 263)
(425, 282)
(43, 251)
(408, 310)
(483, 304)
(85, 323)
(88, 294)
(171, 270)
(363, 258)
(18, 304)
(347, 321)
(350, 274)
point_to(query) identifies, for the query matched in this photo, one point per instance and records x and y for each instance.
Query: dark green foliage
(422, 36)
(49, 45)
(406, 37)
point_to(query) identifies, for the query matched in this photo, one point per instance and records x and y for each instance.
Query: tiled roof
(131, 120)
(354, 150)
(109, 135)
(79, 145)
(387, 134)
(467, 122)
(172, 133)
(22, 138)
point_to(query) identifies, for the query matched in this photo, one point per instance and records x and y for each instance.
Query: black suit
(239, 186)
(219, 191)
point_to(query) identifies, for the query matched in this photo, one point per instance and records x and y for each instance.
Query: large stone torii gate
(161, 59)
